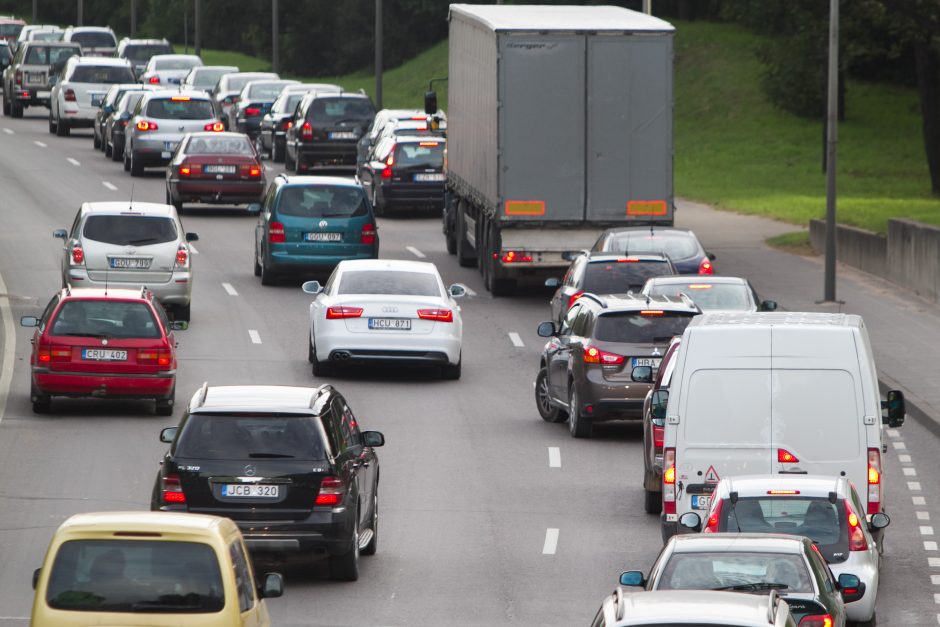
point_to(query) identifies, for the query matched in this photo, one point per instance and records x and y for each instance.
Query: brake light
(786, 457)
(659, 436)
(857, 541)
(669, 481)
(387, 170)
(78, 255)
(154, 80)
(368, 234)
(699, 286)
(180, 98)
(573, 298)
(146, 125)
(783, 492)
(428, 144)
(816, 620)
(286, 124)
(182, 256)
(438, 315)
(594, 355)
(334, 313)
(331, 491)
(124, 122)
(253, 111)
(419, 118)
(251, 171)
(18, 77)
(306, 131)
(276, 233)
(54, 353)
(151, 356)
(628, 260)
(652, 312)
(215, 127)
(188, 169)
(706, 267)
(711, 525)
(874, 481)
(172, 489)
(513, 257)
(70, 95)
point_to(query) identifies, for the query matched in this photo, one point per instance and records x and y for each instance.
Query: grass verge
(796, 243)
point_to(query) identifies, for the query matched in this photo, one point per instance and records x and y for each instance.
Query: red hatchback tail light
(331, 491)
(816, 620)
(189, 169)
(276, 233)
(250, 171)
(438, 315)
(368, 234)
(146, 125)
(333, 313)
(172, 489)
(70, 95)
(253, 112)
(573, 298)
(78, 255)
(182, 256)
(714, 518)
(387, 170)
(594, 355)
(158, 357)
(857, 541)
(54, 353)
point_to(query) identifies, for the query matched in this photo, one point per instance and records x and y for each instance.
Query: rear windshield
(235, 83)
(105, 318)
(208, 78)
(49, 55)
(142, 53)
(291, 102)
(101, 74)
(397, 282)
(94, 40)
(219, 146)
(322, 201)
(136, 576)
(420, 155)
(257, 436)
(128, 230)
(10, 30)
(47, 35)
(708, 571)
(618, 277)
(676, 245)
(168, 109)
(266, 91)
(814, 517)
(639, 328)
(129, 100)
(175, 64)
(710, 296)
(5, 53)
(333, 110)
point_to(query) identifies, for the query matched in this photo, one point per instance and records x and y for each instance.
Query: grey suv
(586, 368)
(26, 82)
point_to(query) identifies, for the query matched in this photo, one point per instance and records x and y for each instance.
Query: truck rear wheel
(466, 257)
(490, 265)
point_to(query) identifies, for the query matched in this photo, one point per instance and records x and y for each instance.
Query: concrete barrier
(856, 247)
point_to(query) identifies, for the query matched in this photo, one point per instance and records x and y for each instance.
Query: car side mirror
(178, 325)
(547, 329)
(768, 305)
(272, 587)
(632, 578)
(29, 321)
(879, 521)
(168, 435)
(254, 209)
(642, 374)
(53, 80)
(192, 237)
(658, 402)
(895, 408)
(457, 290)
(571, 255)
(430, 102)
(36, 574)
(851, 587)
(60, 234)
(373, 438)
(107, 108)
(711, 256)
(691, 520)
(553, 282)
(312, 287)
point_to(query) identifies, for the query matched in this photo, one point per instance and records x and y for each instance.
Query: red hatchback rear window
(106, 319)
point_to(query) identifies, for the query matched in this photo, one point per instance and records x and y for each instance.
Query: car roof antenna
(130, 204)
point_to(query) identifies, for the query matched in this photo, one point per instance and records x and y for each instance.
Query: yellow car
(150, 568)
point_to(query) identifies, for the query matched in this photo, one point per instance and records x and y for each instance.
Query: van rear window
(94, 39)
(638, 328)
(136, 576)
(322, 201)
(335, 110)
(129, 230)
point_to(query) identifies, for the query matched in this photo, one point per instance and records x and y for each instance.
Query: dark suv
(326, 129)
(288, 464)
(586, 369)
(405, 173)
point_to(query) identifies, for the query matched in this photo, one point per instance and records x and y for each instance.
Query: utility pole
(832, 139)
(79, 11)
(35, 11)
(378, 54)
(133, 17)
(197, 27)
(648, 7)
(275, 42)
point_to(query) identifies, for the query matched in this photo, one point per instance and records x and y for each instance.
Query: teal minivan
(308, 224)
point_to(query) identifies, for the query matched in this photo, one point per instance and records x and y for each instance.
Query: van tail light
(816, 620)
(786, 457)
(573, 298)
(276, 233)
(182, 256)
(253, 112)
(368, 234)
(594, 355)
(874, 481)
(857, 541)
(54, 353)
(146, 125)
(215, 127)
(333, 313)
(78, 255)
(154, 80)
(332, 490)
(714, 518)
(659, 436)
(669, 481)
(172, 489)
(438, 315)
(387, 171)
(18, 77)
(70, 95)
(154, 357)
(706, 267)
(306, 131)
(250, 171)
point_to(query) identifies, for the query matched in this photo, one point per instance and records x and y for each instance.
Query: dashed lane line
(909, 471)
(893, 433)
(414, 251)
(926, 530)
(551, 541)
(913, 486)
(554, 457)
(228, 288)
(918, 500)
(110, 186)
(930, 545)
(40, 144)
(74, 162)
(899, 446)
(9, 131)
(922, 515)
(9, 345)
(904, 458)
(515, 339)
(255, 336)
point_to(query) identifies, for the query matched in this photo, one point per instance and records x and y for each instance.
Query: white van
(773, 393)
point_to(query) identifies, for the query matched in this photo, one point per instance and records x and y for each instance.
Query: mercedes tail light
(387, 170)
(332, 490)
(276, 233)
(438, 315)
(714, 518)
(70, 95)
(146, 125)
(172, 489)
(368, 234)
(182, 256)
(874, 480)
(857, 541)
(154, 80)
(669, 481)
(77, 255)
(574, 297)
(306, 131)
(706, 267)
(594, 355)
(214, 127)
(334, 313)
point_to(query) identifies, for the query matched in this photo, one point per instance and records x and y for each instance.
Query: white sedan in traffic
(385, 310)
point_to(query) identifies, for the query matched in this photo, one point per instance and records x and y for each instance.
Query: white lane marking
(923, 515)
(40, 144)
(9, 131)
(918, 500)
(894, 433)
(551, 542)
(515, 339)
(74, 162)
(193, 249)
(414, 251)
(935, 580)
(554, 457)
(926, 530)
(913, 486)
(904, 459)
(255, 337)
(899, 446)
(109, 186)
(930, 545)
(909, 472)
(934, 562)
(470, 291)
(9, 346)
(228, 288)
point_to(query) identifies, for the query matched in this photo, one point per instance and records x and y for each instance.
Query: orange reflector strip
(525, 207)
(646, 208)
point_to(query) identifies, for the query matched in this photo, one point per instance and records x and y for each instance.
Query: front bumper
(177, 291)
(103, 385)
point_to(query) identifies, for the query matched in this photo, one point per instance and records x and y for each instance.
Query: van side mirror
(430, 102)
(547, 329)
(272, 587)
(658, 403)
(36, 574)
(768, 305)
(691, 520)
(632, 578)
(373, 438)
(895, 409)
(879, 521)
(553, 282)
(168, 435)
(457, 290)
(642, 374)
(311, 287)
(851, 587)
(254, 209)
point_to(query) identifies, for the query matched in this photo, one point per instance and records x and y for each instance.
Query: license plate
(323, 237)
(134, 263)
(429, 177)
(251, 490)
(652, 362)
(342, 135)
(103, 354)
(174, 81)
(219, 169)
(701, 502)
(43, 94)
(166, 154)
(96, 99)
(396, 324)
(35, 79)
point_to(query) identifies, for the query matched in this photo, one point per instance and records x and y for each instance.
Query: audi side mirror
(632, 578)
(457, 290)
(312, 287)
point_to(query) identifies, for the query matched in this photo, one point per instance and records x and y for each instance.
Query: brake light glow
(513, 256)
(286, 124)
(874, 481)
(711, 525)
(387, 170)
(669, 481)
(573, 298)
(429, 144)
(652, 312)
(153, 356)
(251, 171)
(782, 492)
(334, 313)
(154, 80)
(331, 491)
(146, 125)
(215, 127)
(180, 98)
(182, 256)
(628, 260)
(172, 489)
(78, 255)
(253, 111)
(857, 541)
(306, 131)
(594, 355)
(368, 234)
(438, 315)
(54, 353)
(276, 233)
(70, 95)
(816, 620)
(188, 169)
(700, 286)
(706, 267)
(419, 118)
(786, 457)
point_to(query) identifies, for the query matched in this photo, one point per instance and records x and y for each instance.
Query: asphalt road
(489, 515)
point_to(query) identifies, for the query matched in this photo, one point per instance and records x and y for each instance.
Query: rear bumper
(216, 191)
(249, 126)
(30, 96)
(78, 116)
(337, 153)
(435, 348)
(297, 262)
(612, 401)
(103, 385)
(413, 196)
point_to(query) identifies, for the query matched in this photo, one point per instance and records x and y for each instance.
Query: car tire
(96, 141)
(373, 545)
(107, 149)
(311, 356)
(451, 372)
(267, 276)
(257, 266)
(127, 162)
(652, 502)
(289, 164)
(871, 622)
(52, 128)
(42, 403)
(164, 406)
(345, 567)
(182, 312)
(136, 168)
(16, 110)
(6, 107)
(277, 152)
(466, 258)
(547, 410)
(62, 128)
(320, 368)
(579, 426)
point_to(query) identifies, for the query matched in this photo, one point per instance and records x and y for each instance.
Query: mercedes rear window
(142, 53)
(106, 319)
(130, 230)
(94, 40)
(724, 569)
(390, 282)
(99, 74)
(136, 576)
(322, 201)
(240, 146)
(655, 327)
(420, 155)
(676, 245)
(335, 110)
(619, 277)
(170, 109)
(250, 436)
(710, 296)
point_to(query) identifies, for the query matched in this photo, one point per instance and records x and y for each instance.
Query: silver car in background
(229, 86)
(169, 69)
(205, 77)
(96, 41)
(79, 89)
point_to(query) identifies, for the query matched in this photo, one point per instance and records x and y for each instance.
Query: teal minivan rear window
(323, 201)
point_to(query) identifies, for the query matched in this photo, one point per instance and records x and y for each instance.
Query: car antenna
(130, 204)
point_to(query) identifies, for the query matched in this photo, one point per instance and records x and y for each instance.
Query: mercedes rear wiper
(755, 586)
(270, 455)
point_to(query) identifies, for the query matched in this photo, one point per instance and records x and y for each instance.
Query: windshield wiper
(662, 338)
(138, 242)
(270, 455)
(163, 607)
(762, 585)
(79, 334)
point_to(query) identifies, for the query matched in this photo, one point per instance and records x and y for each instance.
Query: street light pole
(35, 11)
(648, 7)
(378, 54)
(275, 44)
(832, 139)
(79, 11)
(133, 17)
(197, 27)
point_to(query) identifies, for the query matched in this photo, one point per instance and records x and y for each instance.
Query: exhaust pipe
(340, 355)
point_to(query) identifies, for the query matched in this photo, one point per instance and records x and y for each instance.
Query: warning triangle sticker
(711, 476)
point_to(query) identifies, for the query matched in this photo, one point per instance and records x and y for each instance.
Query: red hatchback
(113, 343)
(215, 168)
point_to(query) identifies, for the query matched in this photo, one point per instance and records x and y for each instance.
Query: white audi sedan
(385, 310)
